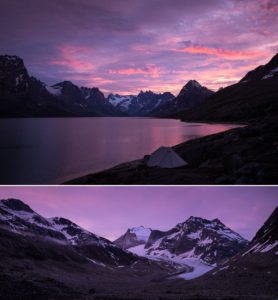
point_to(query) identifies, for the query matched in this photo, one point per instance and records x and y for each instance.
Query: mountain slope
(253, 97)
(21, 219)
(56, 259)
(191, 95)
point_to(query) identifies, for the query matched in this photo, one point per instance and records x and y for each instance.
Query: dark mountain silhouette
(22, 95)
(191, 95)
(253, 97)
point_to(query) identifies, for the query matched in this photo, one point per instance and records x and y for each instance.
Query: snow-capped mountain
(121, 101)
(191, 95)
(198, 243)
(208, 241)
(141, 105)
(24, 95)
(133, 237)
(20, 219)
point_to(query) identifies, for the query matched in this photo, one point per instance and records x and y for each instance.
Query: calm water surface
(53, 150)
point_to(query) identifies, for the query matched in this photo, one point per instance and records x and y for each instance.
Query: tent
(165, 157)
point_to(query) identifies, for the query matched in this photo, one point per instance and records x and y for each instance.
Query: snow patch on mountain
(9, 215)
(54, 90)
(271, 73)
(141, 233)
(261, 248)
(119, 101)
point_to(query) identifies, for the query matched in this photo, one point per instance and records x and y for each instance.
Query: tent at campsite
(165, 157)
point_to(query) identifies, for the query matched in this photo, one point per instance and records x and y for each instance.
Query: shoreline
(234, 156)
(141, 160)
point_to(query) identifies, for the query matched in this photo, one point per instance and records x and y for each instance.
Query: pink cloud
(219, 52)
(149, 70)
(74, 57)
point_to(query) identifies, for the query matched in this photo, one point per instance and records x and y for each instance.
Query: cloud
(127, 45)
(220, 52)
(149, 70)
(74, 57)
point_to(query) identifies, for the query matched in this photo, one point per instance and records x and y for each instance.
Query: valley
(57, 257)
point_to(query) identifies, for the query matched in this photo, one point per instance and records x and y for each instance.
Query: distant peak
(16, 204)
(141, 227)
(216, 221)
(145, 92)
(193, 83)
(64, 83)
(192, 218)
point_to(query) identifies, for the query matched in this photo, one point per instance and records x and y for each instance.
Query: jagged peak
(195, 219)
(147, 92)
(141, 227)
(217, 221)
(64, 83)
(203, 221)
(193, 83)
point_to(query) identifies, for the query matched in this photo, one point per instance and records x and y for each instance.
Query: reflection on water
(52, 150)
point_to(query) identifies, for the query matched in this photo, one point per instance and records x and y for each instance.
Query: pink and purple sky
(109, 211)
(125, 46)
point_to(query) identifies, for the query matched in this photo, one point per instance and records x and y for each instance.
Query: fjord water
(53, 150)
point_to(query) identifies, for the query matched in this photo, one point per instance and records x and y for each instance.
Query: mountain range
(251, 98)
(197, 242)
(42, 257)
(22, 95)
(144, 104)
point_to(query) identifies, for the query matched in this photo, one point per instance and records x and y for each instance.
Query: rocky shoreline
(246, 155)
